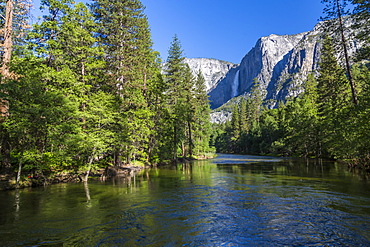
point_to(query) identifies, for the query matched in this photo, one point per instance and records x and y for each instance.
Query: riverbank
(8, 181)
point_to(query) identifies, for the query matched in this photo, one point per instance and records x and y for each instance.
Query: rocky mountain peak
(281, 63)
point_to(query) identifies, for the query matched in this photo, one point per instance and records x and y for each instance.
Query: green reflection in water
(216, 202)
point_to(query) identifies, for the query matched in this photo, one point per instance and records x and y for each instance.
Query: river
(232, 200)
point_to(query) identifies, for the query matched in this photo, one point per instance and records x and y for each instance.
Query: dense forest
(330, 119)
(83, 88)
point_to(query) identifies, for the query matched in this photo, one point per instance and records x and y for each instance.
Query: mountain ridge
(281, 64)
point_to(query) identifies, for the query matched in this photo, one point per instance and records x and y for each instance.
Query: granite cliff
(213, 70)
(281, 63)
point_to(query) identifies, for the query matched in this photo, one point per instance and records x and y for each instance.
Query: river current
(232, 200)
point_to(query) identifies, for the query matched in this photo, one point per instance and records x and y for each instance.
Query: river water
(232, 200)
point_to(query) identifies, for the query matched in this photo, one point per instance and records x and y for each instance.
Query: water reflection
(225, 201)
(17, 201)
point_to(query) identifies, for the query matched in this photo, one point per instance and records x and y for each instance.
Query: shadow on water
(232, 200)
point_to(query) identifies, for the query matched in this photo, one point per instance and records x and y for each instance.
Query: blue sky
(225, 30)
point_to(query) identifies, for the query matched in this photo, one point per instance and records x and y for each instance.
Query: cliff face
(265, 62)
(281, 63)
(213, 70)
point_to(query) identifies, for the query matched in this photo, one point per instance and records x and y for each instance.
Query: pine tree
(124, 34)
(159, 139)
(188, 110)
(360, 124)
(202, 110)
(335, 12)
(331, 81)
(301, 123)
(362, 26)
(178, 80)
(254, 103)
(235, 129)
(333, 95)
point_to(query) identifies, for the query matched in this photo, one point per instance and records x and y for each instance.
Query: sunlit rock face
(220, 116)
(281, 63)
(266, 61)
(213, 70)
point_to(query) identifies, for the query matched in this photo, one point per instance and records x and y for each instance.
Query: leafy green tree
(242, 134)
(31, 74)
(14, 26)
(40, 120)
(300, 123)
(66, 39)
(270, 130)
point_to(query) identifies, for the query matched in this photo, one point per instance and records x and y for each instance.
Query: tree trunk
(190, 140)
(5, 152)
(7, 37)
(348, 66)
(174, 141)
(8, 30)
(183, 149)
(91, 159)
(118, 157)
(19, 173)
(4, 104)
(87, 191)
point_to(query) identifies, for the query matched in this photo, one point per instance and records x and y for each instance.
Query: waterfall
(235, 85)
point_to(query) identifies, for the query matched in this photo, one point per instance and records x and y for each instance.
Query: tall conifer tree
(124, 34)
(333, 94)
(362, 26)
(174, 75)
(335, 10)
(202, 110)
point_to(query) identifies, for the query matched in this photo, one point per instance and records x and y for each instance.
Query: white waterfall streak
(235, 85)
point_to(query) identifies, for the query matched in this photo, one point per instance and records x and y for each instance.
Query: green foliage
(361, 27)
(187, 105)
(321, 122)
(89, 92)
